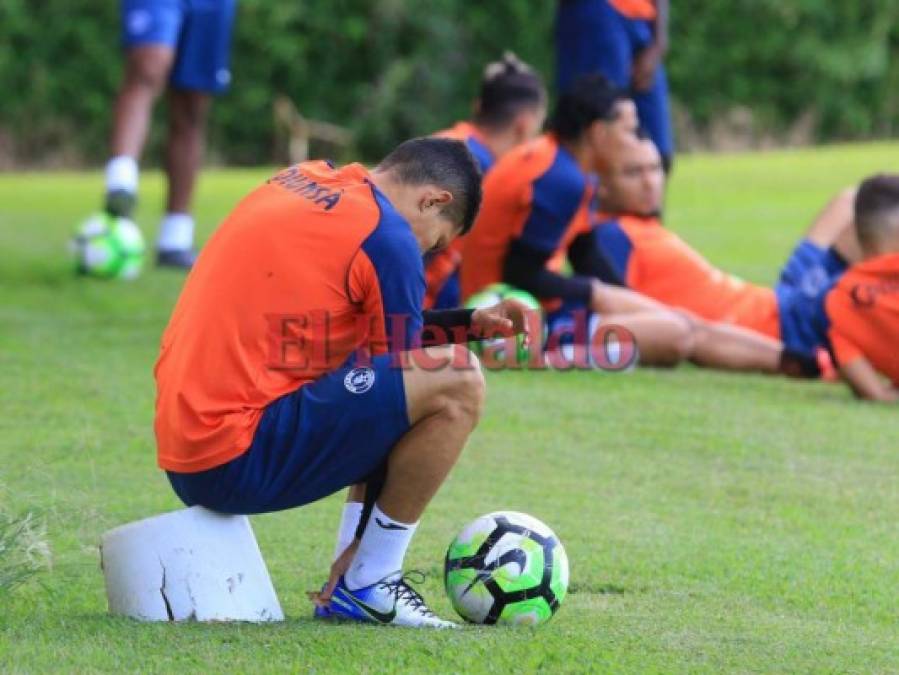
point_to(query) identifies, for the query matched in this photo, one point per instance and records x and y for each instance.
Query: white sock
(381, 550)
(121, 174)
(349, 521)
(176, 232)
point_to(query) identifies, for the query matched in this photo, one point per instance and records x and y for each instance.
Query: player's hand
(507, 318)
(338, 569)
(646, 62)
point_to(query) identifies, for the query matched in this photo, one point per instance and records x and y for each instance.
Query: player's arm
(660, 28)
(447, 326)
(587, 260)
(525, 267)
(867, 383)
(647, 61)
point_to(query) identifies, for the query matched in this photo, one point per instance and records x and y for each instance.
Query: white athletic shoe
(390, 601)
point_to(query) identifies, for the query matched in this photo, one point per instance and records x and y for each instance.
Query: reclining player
(289, 368)
(510, 110)
(862, 308)
(646, 257)
(536, 211)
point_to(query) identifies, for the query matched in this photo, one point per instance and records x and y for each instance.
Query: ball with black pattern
(506, 568)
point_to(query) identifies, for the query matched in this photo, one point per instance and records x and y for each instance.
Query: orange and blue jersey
(537, 195)
(863, 313)
(442, 267)
(469, 134)
(654, 261)
(312, 267)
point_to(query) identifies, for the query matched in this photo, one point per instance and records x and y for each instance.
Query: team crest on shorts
(359, 380)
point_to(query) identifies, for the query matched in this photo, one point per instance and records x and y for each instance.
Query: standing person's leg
(149, 35)
(188, 111)
(201, 70)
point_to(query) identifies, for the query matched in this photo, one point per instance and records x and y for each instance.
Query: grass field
(714, 522)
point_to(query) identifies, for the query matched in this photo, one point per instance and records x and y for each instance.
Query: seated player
(509, 111)
(289, 368)
(536, 212)
(654, 261)
(862, 308)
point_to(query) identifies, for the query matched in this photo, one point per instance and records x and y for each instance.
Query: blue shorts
(809, 274)
(328, 434)
(199, 31)
(593, 37)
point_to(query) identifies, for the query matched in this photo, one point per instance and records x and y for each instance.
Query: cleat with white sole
(390, 601)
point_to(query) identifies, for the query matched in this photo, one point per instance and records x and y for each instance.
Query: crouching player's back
(281, 295)
(290, 367)
(863, 306)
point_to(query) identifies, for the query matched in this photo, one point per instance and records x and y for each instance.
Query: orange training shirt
(535, 193)
(307, 269)
(863, 310)
(655, 261)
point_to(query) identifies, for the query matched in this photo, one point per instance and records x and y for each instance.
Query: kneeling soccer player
(290, 367)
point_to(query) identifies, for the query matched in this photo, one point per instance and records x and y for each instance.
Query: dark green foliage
(391, 69)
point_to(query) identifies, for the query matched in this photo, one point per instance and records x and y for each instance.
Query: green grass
(714, 522)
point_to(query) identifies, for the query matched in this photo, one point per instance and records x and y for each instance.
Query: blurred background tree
(390, 69)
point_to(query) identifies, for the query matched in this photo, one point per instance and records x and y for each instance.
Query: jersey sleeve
(556, 198)
(616, 249)
(387, 280)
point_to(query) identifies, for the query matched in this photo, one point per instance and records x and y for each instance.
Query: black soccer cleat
(120, 203)
(177, 258)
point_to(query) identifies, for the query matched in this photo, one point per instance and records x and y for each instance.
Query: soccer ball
(508, 568)
(108, 247)
(493, 295)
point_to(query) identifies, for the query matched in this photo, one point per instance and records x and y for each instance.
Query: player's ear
(603, 193)
(435, 198)
(521, 127)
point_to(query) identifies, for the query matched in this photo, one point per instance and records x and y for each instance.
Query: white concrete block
(188, 564)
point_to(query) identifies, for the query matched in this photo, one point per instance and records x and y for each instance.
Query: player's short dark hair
(445, 163)
(877, 207)
(509, 86)
(591, 98)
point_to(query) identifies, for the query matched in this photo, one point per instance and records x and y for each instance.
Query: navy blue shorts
(198, 30)
(810, 272)
(593, 37)
(328, 434)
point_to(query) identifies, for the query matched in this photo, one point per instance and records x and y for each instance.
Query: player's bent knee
(472, 389)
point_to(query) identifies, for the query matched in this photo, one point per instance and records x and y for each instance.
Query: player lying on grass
(510, 110)
(646, 257)
(536, 212)
(861, 309)
(290, 367)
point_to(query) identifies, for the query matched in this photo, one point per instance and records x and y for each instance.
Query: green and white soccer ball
(108, 247)
(507, 568)
(493, 295)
